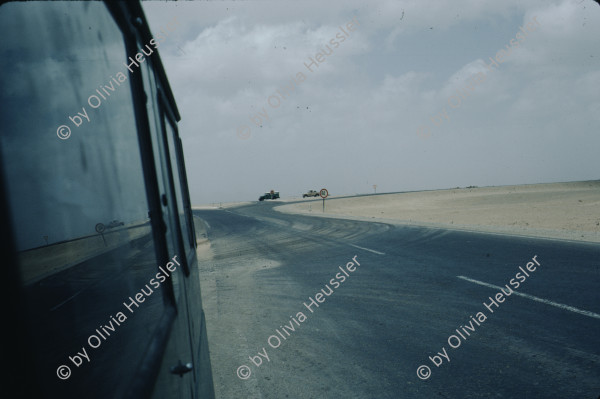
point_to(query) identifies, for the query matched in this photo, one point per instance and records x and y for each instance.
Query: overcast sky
(364, 115)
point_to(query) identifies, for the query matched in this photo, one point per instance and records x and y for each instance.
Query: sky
(409, 100)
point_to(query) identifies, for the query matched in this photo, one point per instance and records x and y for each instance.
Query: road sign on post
(100, 230)
(324, 194)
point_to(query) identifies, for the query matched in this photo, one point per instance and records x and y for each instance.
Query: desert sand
(220, 205)
(569, 211)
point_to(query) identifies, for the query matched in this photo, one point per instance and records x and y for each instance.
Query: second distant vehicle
(311, 193)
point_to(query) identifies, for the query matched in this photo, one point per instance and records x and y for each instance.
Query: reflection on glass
(78, 205)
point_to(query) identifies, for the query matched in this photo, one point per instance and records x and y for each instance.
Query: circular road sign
(324, 193)
(100, 228)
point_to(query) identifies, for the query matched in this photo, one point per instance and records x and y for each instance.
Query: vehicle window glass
(79, 207)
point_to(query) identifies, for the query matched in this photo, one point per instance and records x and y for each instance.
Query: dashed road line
(535, 298)
(367, 249)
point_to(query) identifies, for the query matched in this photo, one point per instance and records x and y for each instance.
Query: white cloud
(355, 118)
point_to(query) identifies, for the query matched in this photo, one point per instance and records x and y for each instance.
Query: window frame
(130, 18)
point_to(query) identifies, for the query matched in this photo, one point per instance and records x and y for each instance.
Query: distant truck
(311, 193)
(270, 195)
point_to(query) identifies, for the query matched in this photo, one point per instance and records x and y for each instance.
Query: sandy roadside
(220, 205)
(555, 210)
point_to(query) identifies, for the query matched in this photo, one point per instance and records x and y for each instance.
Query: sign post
(324, 194)
(100, 230)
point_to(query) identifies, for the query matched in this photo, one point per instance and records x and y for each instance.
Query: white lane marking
(535, 298)
(367, 249)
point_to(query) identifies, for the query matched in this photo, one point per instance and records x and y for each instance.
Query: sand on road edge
(569, 211)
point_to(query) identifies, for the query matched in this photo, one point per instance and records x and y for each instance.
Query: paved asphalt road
(400, 306)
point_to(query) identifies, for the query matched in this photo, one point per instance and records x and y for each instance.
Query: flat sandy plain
(569, 211)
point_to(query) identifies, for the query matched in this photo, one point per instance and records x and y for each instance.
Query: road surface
(417, 297)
